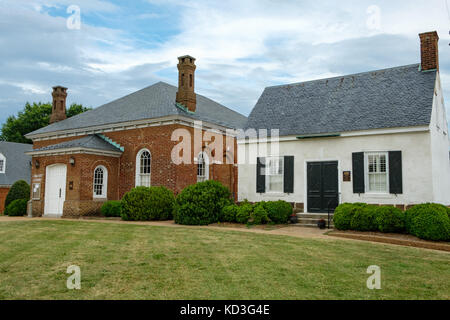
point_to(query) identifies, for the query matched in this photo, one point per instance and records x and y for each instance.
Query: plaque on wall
(347, 176)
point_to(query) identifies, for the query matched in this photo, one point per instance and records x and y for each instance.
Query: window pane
(98, 182)
(275, 183)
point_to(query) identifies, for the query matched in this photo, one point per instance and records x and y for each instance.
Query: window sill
(379, 195)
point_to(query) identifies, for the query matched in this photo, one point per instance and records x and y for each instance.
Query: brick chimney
(186, 78)
(429, 50)
(59, 104)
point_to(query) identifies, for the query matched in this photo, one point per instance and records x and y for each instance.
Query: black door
(323, 185)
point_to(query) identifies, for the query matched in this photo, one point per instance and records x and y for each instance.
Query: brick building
(80, 162)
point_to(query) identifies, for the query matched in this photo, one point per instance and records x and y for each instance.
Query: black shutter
(358, 172)
(395, 172)
(261, 175)
(288, 174)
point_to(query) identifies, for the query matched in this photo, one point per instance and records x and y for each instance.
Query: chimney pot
(429, 51)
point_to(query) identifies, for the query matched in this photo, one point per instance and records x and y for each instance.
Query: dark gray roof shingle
(17, 162)
(89, 142)
(388, 98)
(155, 101)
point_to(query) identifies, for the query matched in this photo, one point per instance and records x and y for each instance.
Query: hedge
(363, 218)
(17, 208)
(19, 190)
(229, 213)
(390, 219)
(201, 203)
(259, 215)
(112, 208)
(148, 203)
(244, 212)
(343, 215)
(428, 221)
(278, 211)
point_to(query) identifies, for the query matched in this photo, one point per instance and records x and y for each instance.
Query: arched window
(143, 168)
(202, 167)
(100, 182)
(2, 163)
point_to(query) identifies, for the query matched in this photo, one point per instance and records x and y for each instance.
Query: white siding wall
(416, 158)
(440, 149)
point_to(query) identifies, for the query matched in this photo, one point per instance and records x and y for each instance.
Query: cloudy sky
(241, 46)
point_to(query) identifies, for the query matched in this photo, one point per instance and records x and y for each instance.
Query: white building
(379, 137)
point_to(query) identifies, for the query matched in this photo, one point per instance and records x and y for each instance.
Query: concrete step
(314, 215)
(311, 219)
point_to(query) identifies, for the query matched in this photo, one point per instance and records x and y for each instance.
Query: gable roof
(388, 98)
(155, 101)
(17, 162)
(92, 142)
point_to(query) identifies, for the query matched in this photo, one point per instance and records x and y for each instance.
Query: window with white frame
(2, 163)
(377, 172)
(100, 182)
(202, 167)
(143, 168)
(274, 174)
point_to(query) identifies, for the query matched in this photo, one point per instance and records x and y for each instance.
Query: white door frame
(61, 186)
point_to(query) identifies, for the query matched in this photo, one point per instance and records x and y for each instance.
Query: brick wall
(3, 194)
(122, 171)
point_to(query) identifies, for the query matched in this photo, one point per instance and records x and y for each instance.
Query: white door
(55, 189)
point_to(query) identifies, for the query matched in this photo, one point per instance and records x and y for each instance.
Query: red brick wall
(3, 194)
(121, 171)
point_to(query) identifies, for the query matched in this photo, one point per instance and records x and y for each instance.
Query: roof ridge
(345, 76)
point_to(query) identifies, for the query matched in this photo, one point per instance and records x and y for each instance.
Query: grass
(123, 261)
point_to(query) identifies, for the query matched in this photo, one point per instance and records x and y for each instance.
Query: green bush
(19, 190)
(259, 215)
(278, 211)
(244, 212)
(201, 203)
(343, 215)
(112, 208)
(428, 221)
(390, 219)
(363, 218)
(229, 213)
(17, 208)
(148, 203)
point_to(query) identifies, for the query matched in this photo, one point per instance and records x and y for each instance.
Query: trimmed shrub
(278, 211)
(229, 213)
(112, 208)
(201, 203)
(19, 190)
(428, 221)
(390, 219)
(148, 203)
(17, 208)
(244, 212)
(259, 215)
(363, 218)
(343, 215)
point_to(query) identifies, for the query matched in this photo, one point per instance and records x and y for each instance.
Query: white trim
(75, 150)
(366, 173)
(138, 167)
(305, 182)
(130, 125)
(2, 157)
(105, 183)
(341, 135)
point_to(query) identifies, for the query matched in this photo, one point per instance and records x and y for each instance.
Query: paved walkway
(293, 231)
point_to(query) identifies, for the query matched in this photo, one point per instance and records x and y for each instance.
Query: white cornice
(130, 125)
(77, 150)
(371, 132)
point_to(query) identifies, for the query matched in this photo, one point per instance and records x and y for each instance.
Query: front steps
(311, 219)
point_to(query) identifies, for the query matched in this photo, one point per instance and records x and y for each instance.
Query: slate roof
(155, 101)
(388, 98)
(17, 162)
(90, 142)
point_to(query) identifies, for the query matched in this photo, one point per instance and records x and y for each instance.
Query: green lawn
(124, 261)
